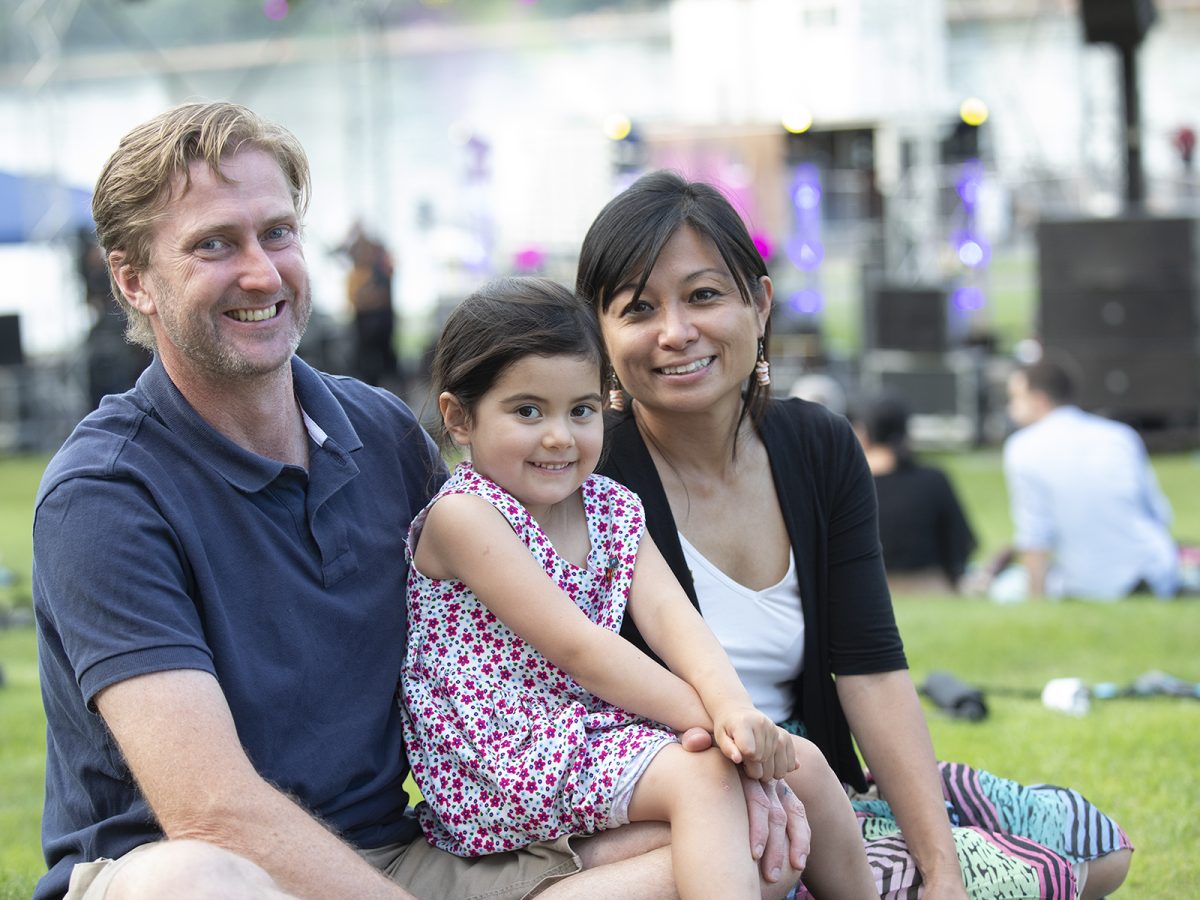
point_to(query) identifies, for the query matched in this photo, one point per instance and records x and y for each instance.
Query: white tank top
(762, 631)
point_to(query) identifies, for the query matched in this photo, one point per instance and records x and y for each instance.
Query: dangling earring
(762, 368)
(616, 397)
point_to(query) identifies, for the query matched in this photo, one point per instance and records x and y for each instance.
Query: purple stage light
(969, 180)
(967, 298)
(972, 250)
(275, 10)
(807, 301)
(805, 252)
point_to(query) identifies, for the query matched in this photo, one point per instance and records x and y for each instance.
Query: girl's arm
(467, 539)
(675, 631)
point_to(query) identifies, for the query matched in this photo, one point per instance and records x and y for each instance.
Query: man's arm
(179, 739)
(1036, 564)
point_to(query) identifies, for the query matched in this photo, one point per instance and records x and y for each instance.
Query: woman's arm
(886, 719)
(467, 539)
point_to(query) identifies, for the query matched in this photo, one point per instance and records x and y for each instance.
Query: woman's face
(690, 340)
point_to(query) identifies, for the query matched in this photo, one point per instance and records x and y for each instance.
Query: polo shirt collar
(243, 469)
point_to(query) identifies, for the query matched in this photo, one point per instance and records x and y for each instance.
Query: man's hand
(779, 832)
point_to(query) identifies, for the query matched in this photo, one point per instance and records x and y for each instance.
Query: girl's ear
(455, 418)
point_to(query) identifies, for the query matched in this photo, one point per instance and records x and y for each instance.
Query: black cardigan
(828, 501)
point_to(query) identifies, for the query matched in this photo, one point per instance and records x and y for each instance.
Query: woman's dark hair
(504, 321)
(624, 243)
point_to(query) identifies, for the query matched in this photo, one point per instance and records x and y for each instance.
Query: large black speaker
(11, 353)
(1121, 22)
(1118, 306)
(906, 318)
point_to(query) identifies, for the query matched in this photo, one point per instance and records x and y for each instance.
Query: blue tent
(38, 208)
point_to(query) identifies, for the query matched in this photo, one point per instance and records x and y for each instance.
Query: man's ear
(132, 282)
(455, 418)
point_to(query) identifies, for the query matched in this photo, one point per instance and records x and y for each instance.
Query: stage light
(807, 302)
(805, 252)
(275, 10)
(967, 298)
(972, 251)
(973, 111)
(617, 127)
(806, 187)
(797, 121)
(762, 243)
(529, 259)
(970, 179)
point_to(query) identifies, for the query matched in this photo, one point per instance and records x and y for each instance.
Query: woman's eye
(703, 294)
(583, 411)
(636, 307)
(527, 412)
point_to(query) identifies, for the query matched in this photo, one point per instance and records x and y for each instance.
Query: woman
(765, 510)
(923, 529)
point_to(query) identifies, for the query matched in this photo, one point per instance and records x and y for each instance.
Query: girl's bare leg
(701, 797)
(837, 864)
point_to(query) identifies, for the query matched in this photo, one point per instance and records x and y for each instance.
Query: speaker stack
(1118, 307)
(908, 354)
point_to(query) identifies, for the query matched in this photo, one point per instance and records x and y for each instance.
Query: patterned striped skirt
(1014, 841)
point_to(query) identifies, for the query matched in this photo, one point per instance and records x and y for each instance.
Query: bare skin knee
(192, 870)
(683, 779)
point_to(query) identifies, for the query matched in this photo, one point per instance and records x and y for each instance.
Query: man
(219, 577)
(1089, 517)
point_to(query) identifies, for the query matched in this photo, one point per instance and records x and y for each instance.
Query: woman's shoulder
(807, 424)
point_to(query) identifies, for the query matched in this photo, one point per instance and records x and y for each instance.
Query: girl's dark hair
(503, 322)
(624, 243)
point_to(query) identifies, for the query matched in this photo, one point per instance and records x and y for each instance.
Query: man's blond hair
(134, 187)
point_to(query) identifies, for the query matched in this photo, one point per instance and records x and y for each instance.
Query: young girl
(527, 716)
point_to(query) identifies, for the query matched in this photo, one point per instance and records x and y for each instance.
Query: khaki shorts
(426, 871)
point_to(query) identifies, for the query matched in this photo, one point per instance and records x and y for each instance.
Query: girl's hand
(762, 748)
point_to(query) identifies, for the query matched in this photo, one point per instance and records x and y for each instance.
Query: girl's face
(689, 341)
(538, 431)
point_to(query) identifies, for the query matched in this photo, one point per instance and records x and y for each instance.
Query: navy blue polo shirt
(159, 544)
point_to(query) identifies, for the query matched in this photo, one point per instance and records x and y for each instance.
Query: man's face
(1024, 406)
(227, 286)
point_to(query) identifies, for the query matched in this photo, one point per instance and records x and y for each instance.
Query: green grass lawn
(1138, 759)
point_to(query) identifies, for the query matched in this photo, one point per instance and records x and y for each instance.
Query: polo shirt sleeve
(1033, 521)
(113, 583)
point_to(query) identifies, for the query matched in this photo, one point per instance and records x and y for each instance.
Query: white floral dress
(506, 748)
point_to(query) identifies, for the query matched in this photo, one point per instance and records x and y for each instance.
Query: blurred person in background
(1089, 518)
(369, 295)
(765, 510)
(219, 577)
(923, 529)
(113, 363)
